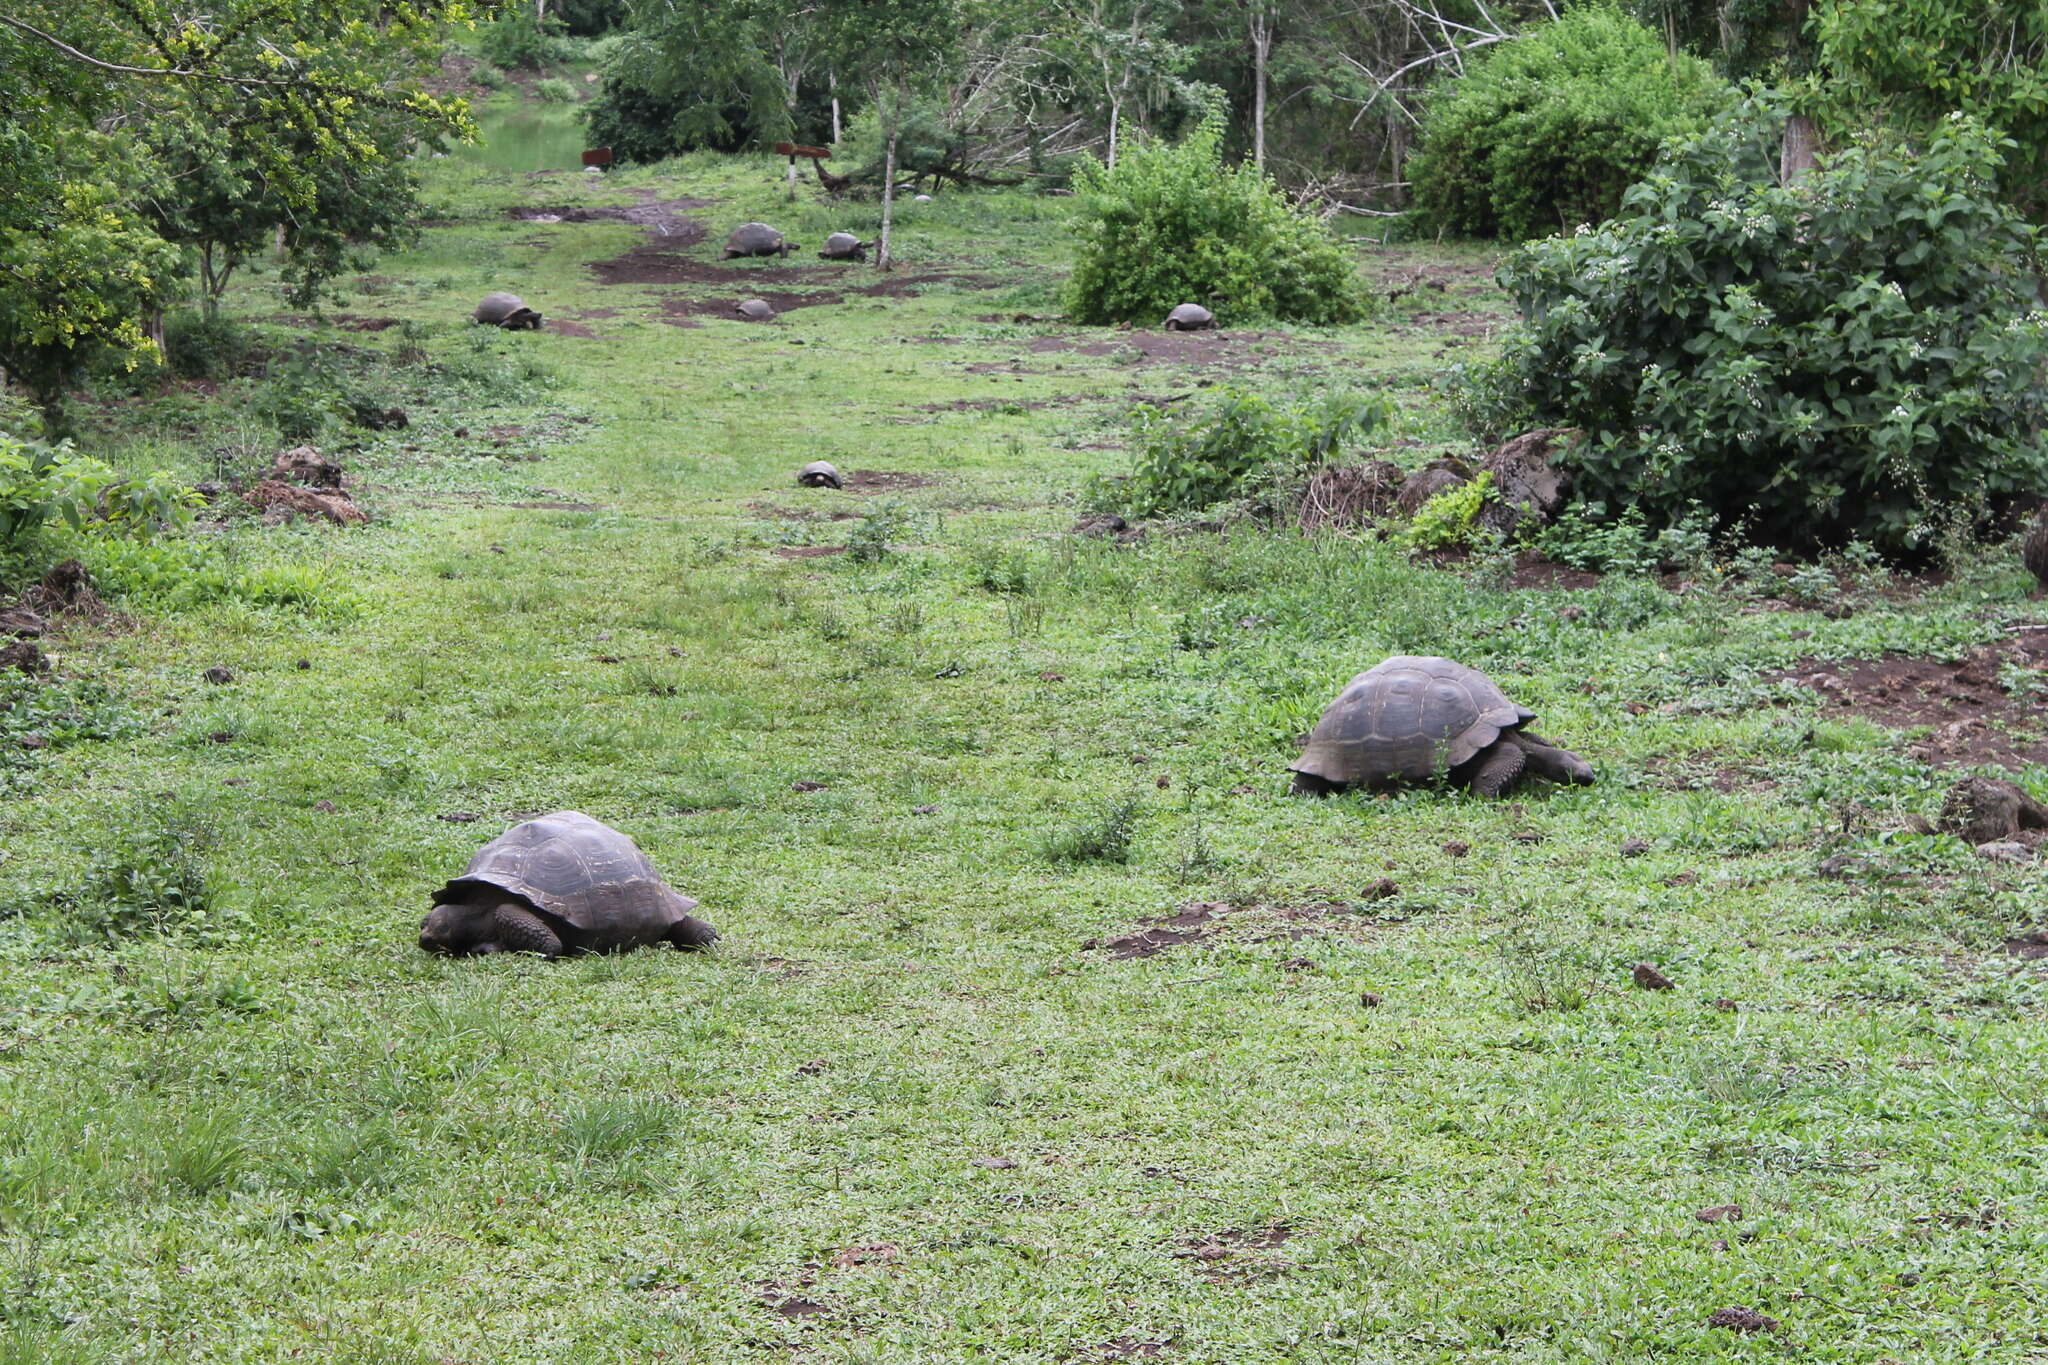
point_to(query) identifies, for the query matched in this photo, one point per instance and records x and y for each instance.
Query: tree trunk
(540, 13)
(832, 84)
(1262, 46)
(1797, 156)
(888, 191)
(1116, 106)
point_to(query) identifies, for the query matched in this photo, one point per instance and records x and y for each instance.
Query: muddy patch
(777, 512)
(683, 312)
(562, 327)
(1237, 1254)
(1200, 920)
(872, 481)
(1219, 351)
(667, 220)
(2031, 947)
(1973, 719)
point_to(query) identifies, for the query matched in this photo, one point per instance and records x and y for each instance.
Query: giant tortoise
(508, 311)
(561, 883)
(757, 239)
(844, 246)
(1411, 719)
(1190, 317)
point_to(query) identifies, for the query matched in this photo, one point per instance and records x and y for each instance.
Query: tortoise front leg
(516, 929)
(1499, 766)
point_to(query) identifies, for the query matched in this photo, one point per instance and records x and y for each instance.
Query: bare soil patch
(667, 220)
(679, 311)
(1974, 720)
(808, 551)
(1199, 920)
(1132, 1348)
(2032, 947)
(564, 328)
(871, 481)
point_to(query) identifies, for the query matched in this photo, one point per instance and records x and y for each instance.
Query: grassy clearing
(902, 1114)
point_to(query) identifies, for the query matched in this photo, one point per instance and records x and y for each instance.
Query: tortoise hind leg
(516, 929)
(1499, 765)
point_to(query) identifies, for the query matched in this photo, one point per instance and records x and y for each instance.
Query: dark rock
(1635, 848)
(1650, 979)
(218, 676)
(1440, 476)
(1985, 810)
(1742, 1320)
(1529, 489)
(23, 657)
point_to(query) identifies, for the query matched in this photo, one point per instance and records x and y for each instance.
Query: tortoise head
(1561, 766)
(463, 926)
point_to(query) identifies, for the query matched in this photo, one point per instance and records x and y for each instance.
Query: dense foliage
(41, 483)
(1920, 60)
(1243, 443)
(1171, 224)
(1834, 359)
(1548, 131)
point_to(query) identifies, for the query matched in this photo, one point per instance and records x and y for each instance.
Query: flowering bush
(1839, 358)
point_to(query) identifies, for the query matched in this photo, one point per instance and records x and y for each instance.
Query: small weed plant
(1103, 837)
(1449, 520)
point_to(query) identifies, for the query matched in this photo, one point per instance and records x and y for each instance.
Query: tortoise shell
(506, 310)
(1409, 718)
(753, 239)
(582, 872)
(1189, 317)
(844, 246)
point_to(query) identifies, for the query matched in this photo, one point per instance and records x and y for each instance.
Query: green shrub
(516, 41)
(1853, 356)
(1171, 224)
(1242, 443)
(1548, 131)
(40, 483)
(199, 347)
(555, 90)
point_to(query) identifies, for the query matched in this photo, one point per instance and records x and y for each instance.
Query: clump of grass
(1542, 975)
(206, 1154)
(609, 1129)
(1103, 837)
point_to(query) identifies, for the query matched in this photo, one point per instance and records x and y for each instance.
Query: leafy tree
(1548, 131)
(891, 50)
(79, 269)
(307, 96)
(1838, 357)
(1172, 224)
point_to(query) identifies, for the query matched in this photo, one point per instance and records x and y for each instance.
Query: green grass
(262, 1126)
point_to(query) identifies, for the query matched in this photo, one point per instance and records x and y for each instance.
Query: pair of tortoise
(565, 883)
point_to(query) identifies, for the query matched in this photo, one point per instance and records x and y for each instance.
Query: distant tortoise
(756, 239)
(563, 883)
(844, 246)
(508, 311)
(754, 310)
(1411, 719)
(2034, 550)
(819, 474)
(1190, 317)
